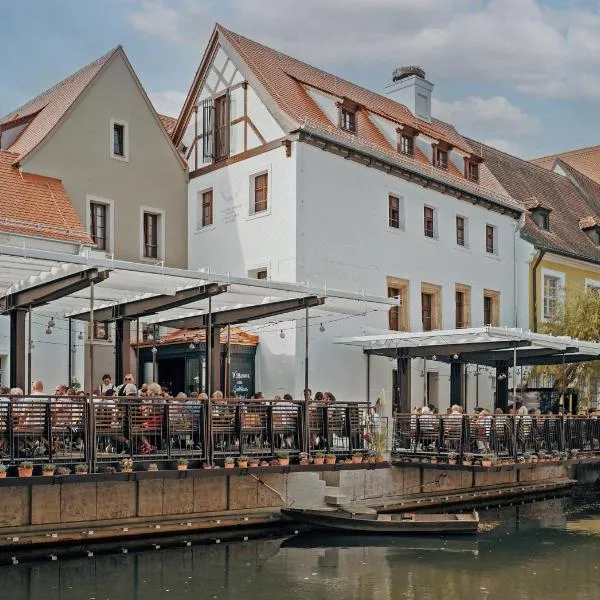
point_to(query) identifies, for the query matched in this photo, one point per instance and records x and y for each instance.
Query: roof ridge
(570, 152)
(98, 61)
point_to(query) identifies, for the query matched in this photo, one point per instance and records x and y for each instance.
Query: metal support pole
(424, 381)
(226, 383)
(91, 428)
(477, 387)
(70, 357)
(209, 332)
(306, 349)
(17, 349)
(368, 378)
(29, 349)
(91, 342)
(516, 421)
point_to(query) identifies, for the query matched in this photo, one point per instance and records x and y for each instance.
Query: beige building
(97, 133)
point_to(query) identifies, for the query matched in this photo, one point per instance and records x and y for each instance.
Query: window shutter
(208, 128)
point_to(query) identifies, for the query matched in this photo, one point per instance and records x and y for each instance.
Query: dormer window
(472, 168)
(406, 140)
(591, 226)
(540, 212)
(441, 150)
(348, 109)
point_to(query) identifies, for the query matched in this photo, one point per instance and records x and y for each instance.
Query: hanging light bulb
(80, 336)
(322, 328)
(51, 322)
(282, 334)
(73, 348)
(48, 330)
(154, 350)
(196, 340)
(192, 346)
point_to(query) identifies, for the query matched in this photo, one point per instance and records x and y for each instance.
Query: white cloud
(510, 147)
(475, 115)
(526, 45)
(167, 103)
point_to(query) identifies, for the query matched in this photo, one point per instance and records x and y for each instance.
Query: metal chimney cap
(403, 72)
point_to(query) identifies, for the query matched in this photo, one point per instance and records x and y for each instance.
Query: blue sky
(519, 74)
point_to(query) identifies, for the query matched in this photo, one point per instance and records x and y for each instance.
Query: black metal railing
(498, 436)
(101, 433)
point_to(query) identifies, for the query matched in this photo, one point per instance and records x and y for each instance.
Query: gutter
(534, 287)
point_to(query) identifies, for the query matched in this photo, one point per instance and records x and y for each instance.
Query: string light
(282, 334)
(322, 328)
(80, 336)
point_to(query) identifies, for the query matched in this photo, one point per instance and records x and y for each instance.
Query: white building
(298, 175)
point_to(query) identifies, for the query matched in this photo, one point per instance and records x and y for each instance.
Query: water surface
(548, 550)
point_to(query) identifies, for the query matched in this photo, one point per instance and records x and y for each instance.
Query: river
(548, 550)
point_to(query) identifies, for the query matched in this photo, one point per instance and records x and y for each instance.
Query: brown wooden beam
(17, 348)
(243, 315)
(43, 293)
(156, 304)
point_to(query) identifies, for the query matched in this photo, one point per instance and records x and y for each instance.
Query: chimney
(409, 87)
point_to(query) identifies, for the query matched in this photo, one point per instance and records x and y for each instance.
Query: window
(491, 308)
(221, 127)
(463, 306)
(261, 274)
(545, 221)
(98, 230)
(431, 314)
(460, 231)
(398, 318)
(473, 171)
(440, 158)
(406, 145)
(150, 235)
(207, 209)
(119, 140)
(348, 120)
(553, 287)
(429, 222)
(490, 239)
(261, 189)
(394, 211)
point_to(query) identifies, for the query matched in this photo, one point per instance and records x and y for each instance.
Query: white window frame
(161, 229)
(401, 211)
(592, 283)
(252, 177)
(199, 226)
(125, 124)
(436, 220)
(496, 251)
(110, 221)
(561, 291)
(467, 245)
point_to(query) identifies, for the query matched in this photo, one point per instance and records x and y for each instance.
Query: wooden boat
(407, 523)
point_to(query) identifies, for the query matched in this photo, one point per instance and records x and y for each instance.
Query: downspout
(534, 287)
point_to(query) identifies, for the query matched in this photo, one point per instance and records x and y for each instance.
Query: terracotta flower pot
(379, 458)
(486, 463)
(357, 460)
(371, 460)
(25, 472)
(182, 467)
(452, 461)
(81, 472)
(242, 464)
(2, 474)
(48, 473)
(126, 470)
(229, 465)
(319, 460)
(330, 461)
(253, 465)
(284, 462)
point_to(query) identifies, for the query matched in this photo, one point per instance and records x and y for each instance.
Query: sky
(521, 75)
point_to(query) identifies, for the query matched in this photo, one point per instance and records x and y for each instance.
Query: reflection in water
(536, 553)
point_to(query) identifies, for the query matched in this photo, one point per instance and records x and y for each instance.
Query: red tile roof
(47, 109)
(237, 336)
(36, 206)
(168, 123)
(584, 160)
(524, 181)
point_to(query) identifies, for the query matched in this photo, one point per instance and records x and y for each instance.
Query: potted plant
(487, 460)
(370, 458)
(303, 458)
(25, 469)
(126, 465)
(107, 469)
(3, 471)
(452, 456)
(283, 459)
(263, 463)
(242, 462)
(253, 462)
(378, 441)
(574, 453)
(434, 460)
(48, 470)
(81, 469)
(182, 464)
(319, 458)
(64, 471)
(229, 462)
(534, 458)
(152, 467)
(330, 459)
(556, 456)
(468, 459)
(357, 457)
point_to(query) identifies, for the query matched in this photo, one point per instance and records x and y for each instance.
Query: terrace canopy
(496, 347)
(90, 288)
